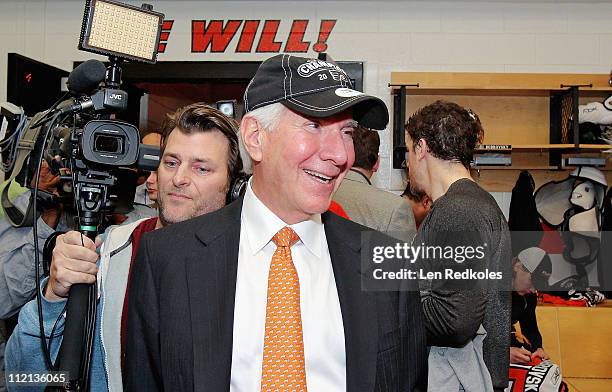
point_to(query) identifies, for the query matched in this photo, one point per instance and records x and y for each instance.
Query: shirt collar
(262, 224)
(356, 175)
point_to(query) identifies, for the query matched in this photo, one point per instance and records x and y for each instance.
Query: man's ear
(426, 202)
(421, 149)
(251, 134)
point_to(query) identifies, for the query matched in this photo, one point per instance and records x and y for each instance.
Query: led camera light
(121, 30)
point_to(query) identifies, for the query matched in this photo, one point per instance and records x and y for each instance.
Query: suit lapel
(211, 276)
(358, 307)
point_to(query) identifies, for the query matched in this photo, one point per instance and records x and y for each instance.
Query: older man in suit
(266, 293)
(366, 204)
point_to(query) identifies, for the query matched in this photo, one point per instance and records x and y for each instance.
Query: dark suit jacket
(181, 311)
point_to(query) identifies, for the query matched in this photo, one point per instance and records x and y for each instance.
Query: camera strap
(24, 148)
(14, 214)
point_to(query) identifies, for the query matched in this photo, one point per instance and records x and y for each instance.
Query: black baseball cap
(314, 88)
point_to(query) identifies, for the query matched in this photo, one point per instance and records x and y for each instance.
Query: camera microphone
(86, 77)
(106, 100)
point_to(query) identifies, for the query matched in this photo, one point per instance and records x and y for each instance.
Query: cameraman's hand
(48, 181)
(72, 263)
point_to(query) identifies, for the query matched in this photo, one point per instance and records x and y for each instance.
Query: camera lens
(108, 144)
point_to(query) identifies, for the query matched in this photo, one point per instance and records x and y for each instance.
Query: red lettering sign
(268, 35)
(326, 28)
(214, 35)
(295, 41)
(165, 34)
(247, 37)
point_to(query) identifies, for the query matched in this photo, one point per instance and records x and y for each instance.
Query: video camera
(78, 138)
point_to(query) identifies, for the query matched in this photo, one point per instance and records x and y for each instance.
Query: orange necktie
(283, 367)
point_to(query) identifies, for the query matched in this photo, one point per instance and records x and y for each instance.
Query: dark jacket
(467, 214)
(523, 215)
(181, 311)
(523, 312)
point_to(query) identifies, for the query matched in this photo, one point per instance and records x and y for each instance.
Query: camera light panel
(122, 30)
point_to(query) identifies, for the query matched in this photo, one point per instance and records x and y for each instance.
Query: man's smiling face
(303, 163)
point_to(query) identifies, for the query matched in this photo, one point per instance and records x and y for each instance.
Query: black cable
(50, 111)
(55, 326)
(10, 143)
(90, 334)
(59, 100)
(74, 196)
(73, 173)
(46, 118)
(65, 305)
(41, 326)
(90, 321)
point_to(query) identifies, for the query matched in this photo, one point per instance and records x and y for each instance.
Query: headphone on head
(237, 187)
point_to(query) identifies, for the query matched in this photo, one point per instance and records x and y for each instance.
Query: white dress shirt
(322, 326)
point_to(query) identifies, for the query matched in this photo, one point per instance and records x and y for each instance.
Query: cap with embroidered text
(314, 88)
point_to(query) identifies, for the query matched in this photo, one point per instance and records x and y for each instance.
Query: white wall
(533, 36)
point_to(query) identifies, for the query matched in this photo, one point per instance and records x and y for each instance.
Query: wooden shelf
(531, 167)
(595, 146)
(543, 146)
(487, 167)
(522, 110)
(478, 82)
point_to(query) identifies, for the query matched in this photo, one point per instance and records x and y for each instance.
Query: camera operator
(17, 278)
(200, 157)
(17, 271)
(17, 284)
(17, 266)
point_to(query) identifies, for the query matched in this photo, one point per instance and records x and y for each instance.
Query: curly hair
(200, 117)
(451, 131)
